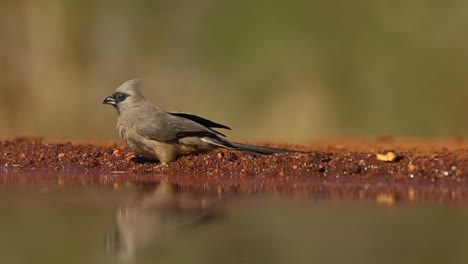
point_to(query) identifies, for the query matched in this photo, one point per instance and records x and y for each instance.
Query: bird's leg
(142, 160)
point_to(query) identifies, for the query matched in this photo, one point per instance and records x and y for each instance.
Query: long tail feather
(241, 146)
(260, 149)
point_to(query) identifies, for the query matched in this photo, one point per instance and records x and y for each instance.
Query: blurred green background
(289, 71)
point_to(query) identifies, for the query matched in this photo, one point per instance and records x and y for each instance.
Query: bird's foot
(142, 160)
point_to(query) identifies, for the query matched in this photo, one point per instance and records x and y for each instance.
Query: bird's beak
(109, 100)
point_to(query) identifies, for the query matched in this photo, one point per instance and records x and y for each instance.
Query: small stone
(389, 156)
(60, 156)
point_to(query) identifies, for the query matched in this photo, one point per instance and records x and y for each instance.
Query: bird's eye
(120, 97)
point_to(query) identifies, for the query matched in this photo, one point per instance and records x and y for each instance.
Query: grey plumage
(158, 134)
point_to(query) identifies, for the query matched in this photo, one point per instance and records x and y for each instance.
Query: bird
(157, 134)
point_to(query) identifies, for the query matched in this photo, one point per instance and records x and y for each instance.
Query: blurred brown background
(288, 71)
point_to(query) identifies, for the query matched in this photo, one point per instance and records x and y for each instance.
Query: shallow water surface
(165, 223)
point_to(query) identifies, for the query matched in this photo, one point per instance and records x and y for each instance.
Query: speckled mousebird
(154, 133)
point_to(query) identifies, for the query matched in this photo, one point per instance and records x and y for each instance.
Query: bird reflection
(157, 210)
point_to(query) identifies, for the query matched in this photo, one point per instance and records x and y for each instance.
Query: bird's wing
(164, 126)
(200, 120)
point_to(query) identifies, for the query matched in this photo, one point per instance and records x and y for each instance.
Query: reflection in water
(267, 224)
(156, 210)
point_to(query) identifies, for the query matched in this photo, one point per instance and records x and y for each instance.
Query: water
(164, 223)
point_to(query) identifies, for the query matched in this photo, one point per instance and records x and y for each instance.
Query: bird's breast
(121, 129)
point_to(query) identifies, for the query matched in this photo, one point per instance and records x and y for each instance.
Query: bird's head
(126, 96)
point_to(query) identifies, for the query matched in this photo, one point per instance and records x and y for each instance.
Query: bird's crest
(130, 86)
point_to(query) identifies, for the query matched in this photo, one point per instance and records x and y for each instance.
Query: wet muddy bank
(336, 163)
(355, 166)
